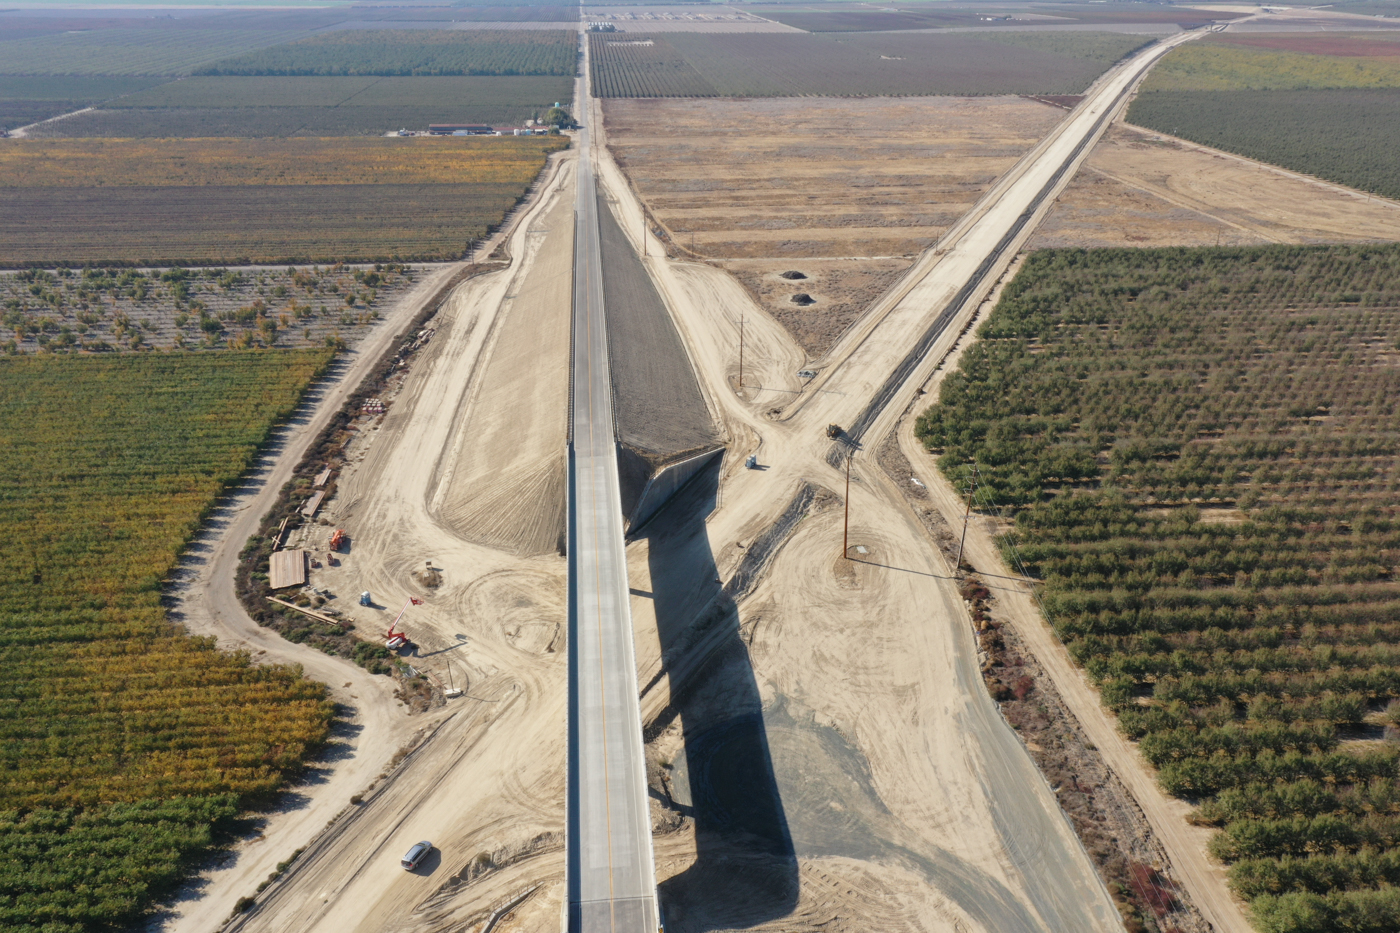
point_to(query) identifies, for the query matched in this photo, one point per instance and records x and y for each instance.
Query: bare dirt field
(1140, 188)
(847, 192)
(504, 480)
(820, 745)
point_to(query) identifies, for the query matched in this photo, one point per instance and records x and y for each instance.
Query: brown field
(846, 192)
(415, 160)
(1139, 188)
(236, 200)
(246, 223)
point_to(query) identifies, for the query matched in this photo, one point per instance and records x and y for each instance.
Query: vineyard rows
(782, 65)
(211, 201)
(1199, 449)
(126, 743)
(193, 225)
(413, 52)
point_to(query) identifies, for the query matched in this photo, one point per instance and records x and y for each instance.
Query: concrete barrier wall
(665, 483)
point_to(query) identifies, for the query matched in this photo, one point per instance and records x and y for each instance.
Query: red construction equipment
(338, 539)
(396, 640)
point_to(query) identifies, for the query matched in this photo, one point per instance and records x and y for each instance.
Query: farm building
(469, 129)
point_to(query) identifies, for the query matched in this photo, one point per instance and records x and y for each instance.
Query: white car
(416, 855)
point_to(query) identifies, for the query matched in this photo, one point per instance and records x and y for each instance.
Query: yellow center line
(598, 580)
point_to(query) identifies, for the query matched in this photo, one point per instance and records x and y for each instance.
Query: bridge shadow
(745, 870)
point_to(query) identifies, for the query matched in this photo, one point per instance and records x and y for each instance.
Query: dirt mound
(802, 298)
(792, 275)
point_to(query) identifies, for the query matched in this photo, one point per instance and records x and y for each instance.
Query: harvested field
(229, 200)
(846, 191)
(737, 65)
(110, 309)
(1140, 189)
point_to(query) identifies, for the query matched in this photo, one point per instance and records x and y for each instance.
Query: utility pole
(966, 515)
(846, 531)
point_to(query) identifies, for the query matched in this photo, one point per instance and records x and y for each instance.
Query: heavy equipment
(395, 640)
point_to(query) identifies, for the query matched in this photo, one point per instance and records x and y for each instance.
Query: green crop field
(131, 51)
(1221, 66)
(125, 743)
(782, 65)
(1200, 450)
(413, 52)
(1333, 115)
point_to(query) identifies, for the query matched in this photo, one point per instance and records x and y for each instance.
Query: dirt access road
(487, 788)
(1143, 188)
(856, 368)
(865, 667)
(376, 725)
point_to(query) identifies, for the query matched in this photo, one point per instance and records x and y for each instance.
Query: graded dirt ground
(1140, 188)
(847, 192)
(504, 482)
(490, 781)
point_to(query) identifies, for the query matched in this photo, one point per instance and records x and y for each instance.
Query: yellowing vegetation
(42, 163)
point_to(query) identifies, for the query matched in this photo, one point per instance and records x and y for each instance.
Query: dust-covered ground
(1141, 188)
(505, 475)
(847, 191)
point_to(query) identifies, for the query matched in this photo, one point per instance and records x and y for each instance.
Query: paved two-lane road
(611, 879)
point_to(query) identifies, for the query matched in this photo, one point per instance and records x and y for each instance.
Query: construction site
(818, 749)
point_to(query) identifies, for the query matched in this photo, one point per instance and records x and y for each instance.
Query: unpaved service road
(823, 747)
(1141, 188)
(845, 192)
(487, 787)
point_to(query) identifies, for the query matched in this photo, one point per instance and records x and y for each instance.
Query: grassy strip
(1217, 66)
